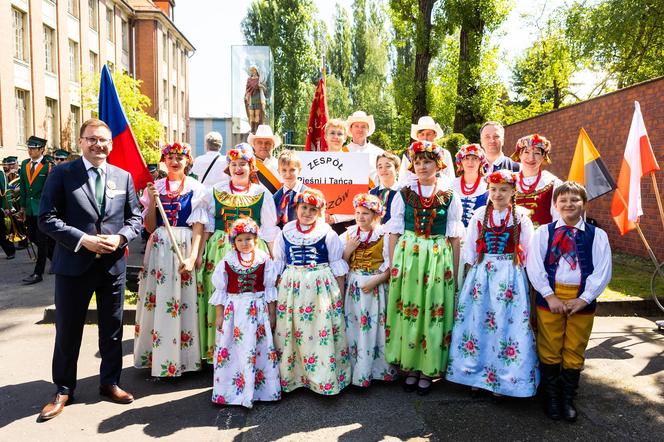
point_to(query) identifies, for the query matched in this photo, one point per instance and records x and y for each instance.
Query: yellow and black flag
(588, 168)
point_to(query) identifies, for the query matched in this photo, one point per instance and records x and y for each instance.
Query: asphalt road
(621, 397)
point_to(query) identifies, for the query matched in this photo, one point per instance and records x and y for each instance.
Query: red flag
(317, 119)
(125, 153)
(638, 160)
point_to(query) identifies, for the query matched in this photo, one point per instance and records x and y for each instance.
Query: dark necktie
(33, 165)
(99, 188)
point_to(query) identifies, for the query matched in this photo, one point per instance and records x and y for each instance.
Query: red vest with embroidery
(250, 280)
(538, 204)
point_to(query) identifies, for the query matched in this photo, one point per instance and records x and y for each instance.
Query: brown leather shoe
(52, 409)
(116, 394)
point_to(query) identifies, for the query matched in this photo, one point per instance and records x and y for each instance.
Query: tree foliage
(148, 131)
(624, 37)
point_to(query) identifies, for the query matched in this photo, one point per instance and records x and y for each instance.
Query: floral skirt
(310, 334)
(245, 366)
(215, 249)
(166, 331)
(493, 344)
(421, 303)
(365, 330)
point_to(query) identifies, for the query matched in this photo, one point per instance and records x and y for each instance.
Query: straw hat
(264, 131)
(423, 123)
(361, 117)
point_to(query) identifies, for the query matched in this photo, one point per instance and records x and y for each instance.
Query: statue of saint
(254, 99)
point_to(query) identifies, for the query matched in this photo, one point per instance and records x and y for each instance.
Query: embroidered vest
(306, 255)
(426, 221)
(498, 243)
(177, 210)
(538, 203)
(386, 196)
(470, 204)
(584, 252)
(229, 207)
(368, 257)
(246, 280)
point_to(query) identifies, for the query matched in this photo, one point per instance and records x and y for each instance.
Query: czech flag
(317, 119)
(638, 161)
(125, 153)
(588, 168)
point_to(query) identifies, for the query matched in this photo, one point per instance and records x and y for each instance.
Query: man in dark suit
(33, 173)
(90, 208)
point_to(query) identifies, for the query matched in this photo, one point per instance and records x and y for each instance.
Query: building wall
(65, 89)
(607, 120)
(200, 126)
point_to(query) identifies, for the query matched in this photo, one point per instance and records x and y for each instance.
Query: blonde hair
(336, 122)
(391, 158)
(287, 157)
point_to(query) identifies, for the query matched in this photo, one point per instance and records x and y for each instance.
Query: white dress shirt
(92, 180)
(595, 283)
(216, 174)
(374, 152)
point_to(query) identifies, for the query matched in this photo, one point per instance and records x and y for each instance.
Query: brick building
(607, 120)
(54, 46)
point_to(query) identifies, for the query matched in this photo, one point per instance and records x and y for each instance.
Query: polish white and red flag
(638, 160)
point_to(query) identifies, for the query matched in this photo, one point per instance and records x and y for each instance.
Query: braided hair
(487, 212)
(515, 237)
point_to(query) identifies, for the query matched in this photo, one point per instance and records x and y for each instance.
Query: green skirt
(215, 249)
(420, 309)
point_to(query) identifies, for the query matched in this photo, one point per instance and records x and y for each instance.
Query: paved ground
(622, 394)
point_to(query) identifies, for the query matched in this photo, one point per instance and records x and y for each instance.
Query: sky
(213, 26)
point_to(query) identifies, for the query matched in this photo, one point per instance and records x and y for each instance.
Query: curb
(640, 307)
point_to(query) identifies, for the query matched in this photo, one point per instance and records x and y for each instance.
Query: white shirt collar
(38, 160)
(499, 158)
(297, 187)
(581, 225)
(88, 165)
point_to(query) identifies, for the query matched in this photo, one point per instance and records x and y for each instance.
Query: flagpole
(659, 198)
(169, 230)
(651, 254)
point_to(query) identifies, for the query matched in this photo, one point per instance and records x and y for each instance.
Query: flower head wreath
(425, 146)
(175, 148)
(503, 176)
(534, 140)
(310, 198)
(471, 149)
(369, 202)
(244, 224)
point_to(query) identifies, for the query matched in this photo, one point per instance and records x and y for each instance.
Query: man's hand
(556, 305)
(110, 243)
(575, 305)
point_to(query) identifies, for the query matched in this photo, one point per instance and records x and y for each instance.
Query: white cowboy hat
(423, 123)
(361, 117)
(264, 131)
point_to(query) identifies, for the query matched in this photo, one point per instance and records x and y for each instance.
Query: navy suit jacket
(68, 211)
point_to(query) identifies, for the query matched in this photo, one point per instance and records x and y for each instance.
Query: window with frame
(182, 103)
(49, 49)
(164, 102)
(72, 7)
(164, 47)
(74, 125)
(52, 132)
(93, 14)
(20, 24)
(110, 24)
(94, 63)
(125, 36)
(74, 62)
(174, 100)
(22, 99)
(174, 61)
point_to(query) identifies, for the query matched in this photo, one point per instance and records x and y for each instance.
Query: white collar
(296, 188)
(581, 225)
(89, 165)
(38, 160)
(499, 158)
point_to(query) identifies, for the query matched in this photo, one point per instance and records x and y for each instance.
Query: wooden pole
(169, 230)
(659, 198)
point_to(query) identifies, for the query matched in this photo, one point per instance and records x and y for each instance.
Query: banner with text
(339, 175)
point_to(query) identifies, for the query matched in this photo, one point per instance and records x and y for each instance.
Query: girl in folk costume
(424, 243)
(493, 344)
(225, 202)
(535, 186)
(166, 333)
(245, 363)
(471, 166)
(387, 166)
(367, 252)
(310, 334)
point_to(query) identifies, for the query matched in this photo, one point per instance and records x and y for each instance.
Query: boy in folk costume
(569, 264)
(290, 167)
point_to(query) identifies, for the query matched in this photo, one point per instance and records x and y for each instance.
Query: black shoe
(409, 387)
(569, 380)
(11, 256)
(424, 387)
(33, 279)
(551, 388)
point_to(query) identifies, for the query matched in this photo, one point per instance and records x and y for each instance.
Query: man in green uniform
(60, 156)
(33, 173)
(5, 213)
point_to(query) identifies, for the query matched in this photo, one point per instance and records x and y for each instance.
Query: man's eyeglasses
(93, 140)
(59, 159)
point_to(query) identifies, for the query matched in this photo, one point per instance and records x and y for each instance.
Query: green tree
(339, 48)
(148, 131)
(285, 26)
(625, 37)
